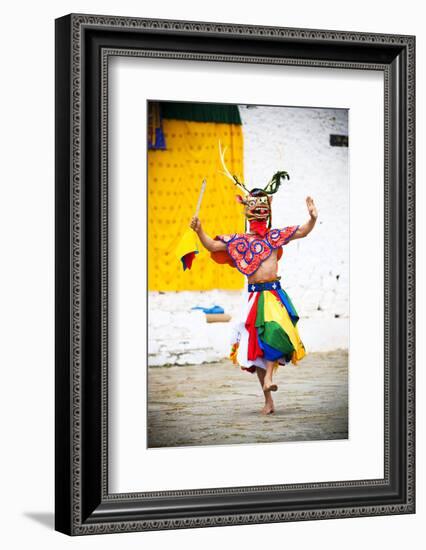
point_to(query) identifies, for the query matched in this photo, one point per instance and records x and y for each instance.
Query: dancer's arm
(307, 227)
(210, 244)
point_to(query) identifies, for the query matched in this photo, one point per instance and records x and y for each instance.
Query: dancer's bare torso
(267, 271)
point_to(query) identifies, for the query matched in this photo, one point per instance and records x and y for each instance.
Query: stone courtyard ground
(219, 404)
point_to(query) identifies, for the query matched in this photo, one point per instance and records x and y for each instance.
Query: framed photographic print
(234, 274)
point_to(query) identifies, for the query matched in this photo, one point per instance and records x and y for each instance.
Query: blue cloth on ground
(214, 309)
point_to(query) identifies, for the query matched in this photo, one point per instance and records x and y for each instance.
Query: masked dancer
(266, 335)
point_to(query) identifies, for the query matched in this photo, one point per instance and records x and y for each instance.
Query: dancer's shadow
(45, 518)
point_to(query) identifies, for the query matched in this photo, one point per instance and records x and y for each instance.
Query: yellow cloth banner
(174, 182)
(187, 244)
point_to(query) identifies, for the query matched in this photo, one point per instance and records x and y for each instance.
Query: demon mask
(257, 202)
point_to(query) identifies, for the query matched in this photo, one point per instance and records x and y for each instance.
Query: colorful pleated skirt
(267, 329)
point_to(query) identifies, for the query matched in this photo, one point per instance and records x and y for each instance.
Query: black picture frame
(83, 45)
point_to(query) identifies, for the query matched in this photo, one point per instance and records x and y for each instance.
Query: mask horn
(227, 173)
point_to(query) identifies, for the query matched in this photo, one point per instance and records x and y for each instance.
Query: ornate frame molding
(86, 507)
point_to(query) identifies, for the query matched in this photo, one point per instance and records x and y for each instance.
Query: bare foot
(270, 387)
(268, 409)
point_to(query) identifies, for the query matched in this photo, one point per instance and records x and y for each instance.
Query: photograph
(248, 273)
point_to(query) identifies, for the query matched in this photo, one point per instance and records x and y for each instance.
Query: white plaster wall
(314, 271)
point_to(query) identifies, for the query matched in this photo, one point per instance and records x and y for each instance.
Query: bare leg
(268, 385)
(269, 403)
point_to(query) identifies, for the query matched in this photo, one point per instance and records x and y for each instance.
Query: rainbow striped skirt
(267, 329)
